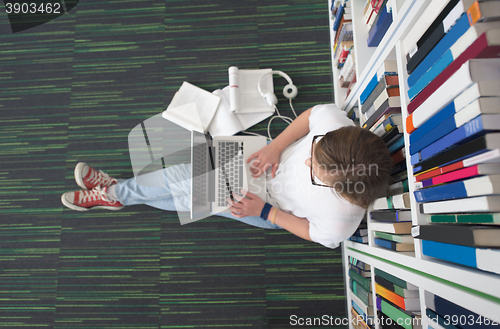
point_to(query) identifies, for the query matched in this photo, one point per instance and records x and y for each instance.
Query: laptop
(218, 168)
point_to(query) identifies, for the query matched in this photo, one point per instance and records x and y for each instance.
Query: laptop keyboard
(231, 176)
(200, 179)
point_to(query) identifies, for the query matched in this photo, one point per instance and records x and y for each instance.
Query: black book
(473, 147)
(426, 48)
(437, 22)
(391, 215)
(475, 236)
(388, 136)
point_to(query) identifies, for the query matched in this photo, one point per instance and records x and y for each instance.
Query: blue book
(482, 185)
(450, 252)
(378, 29)
(369, 88)
(428, 76)
(439, 320)
(414, 159)
(433, 122)
(398, 144)
(446, 42)
(480, 125)
(338, 17)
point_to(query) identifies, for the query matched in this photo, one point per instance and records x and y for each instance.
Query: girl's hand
(247, 205)
(267, 157)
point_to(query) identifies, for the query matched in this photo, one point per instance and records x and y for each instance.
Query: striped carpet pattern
(71, 91)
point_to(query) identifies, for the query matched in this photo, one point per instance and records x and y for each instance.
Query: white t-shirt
(332, 219)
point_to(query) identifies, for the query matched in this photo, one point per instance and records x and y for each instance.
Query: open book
(244, 96)
(194, 108)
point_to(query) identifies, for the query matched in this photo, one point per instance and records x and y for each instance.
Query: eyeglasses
(312, 173)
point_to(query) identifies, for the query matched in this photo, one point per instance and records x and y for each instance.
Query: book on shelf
(396, 246)
(483, 185)
(404, 303)
(366, 274)
(474, 147)
(475, 91)
(359, 239)
(436, 31)
(454, 312)
(399, 167)
(397, 188)
(490, 203)
(392, 135)
(396, 228)
(480, 125)
(399, 201)
(489, 157)
(399, 238)
(382, 126)
(480, 41)
(407, 319)
(361, 280)
(386, 82)
(387, 323)
(465, 235)
(448, 40)
(358, 322)
(382, 23)
(437, 321)
(403, 292)
(391, 215)
(396, 145)
(474, 70)
(467, 172)
(345, 33)
(362, 265)
(394, 279)
(361, 308)
(364, 295)
(477, 218)
(483, 11)
(400, 176)
(479, 258)
(483, 105)
(388, 67)
(398, 156)
(385, 108)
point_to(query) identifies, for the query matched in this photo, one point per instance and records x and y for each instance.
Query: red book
(478, 49)
(398, 157)
(439, 171)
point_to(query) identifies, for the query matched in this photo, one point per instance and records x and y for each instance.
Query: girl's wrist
(264, 214)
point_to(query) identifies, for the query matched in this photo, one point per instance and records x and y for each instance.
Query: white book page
(180, 108)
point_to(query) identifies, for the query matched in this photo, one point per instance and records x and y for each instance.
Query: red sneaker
(86, 200)
(87, 177)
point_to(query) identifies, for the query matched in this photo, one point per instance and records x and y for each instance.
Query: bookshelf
(475, 290)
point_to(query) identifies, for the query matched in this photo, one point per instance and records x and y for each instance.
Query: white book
(192, 108)
(394, 101)
(474, 204)
(483, 105)
(472, 34)
(484, 69)
(488, 260)
(492, 156)
(453, 16)
(478, 89)
(399, 201)
(227, 123)
(430, 13)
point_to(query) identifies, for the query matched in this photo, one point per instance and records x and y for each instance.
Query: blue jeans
(130, 192)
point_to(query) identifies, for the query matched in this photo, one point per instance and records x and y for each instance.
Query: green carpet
(71, 91)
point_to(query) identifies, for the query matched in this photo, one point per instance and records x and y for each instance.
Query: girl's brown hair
(358, 161)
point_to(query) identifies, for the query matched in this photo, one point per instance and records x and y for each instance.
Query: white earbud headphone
(290, 91)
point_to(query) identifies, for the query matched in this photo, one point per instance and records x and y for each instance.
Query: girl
(323, 172)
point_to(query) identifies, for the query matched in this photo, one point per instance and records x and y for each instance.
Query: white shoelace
(100, 178)
(93, 195)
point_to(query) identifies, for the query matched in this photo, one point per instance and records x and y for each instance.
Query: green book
(399, 238)
(359, 291)
(361, 280)
(489, 218)
(395, 280)
(395, 313)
